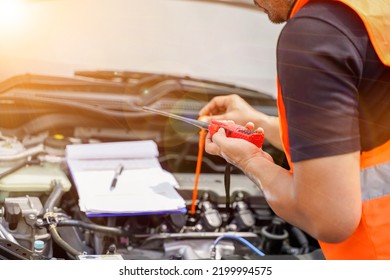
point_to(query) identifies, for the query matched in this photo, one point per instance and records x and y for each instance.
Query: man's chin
(275, 19)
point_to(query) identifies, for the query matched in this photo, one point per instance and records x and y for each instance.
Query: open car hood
(223, 41)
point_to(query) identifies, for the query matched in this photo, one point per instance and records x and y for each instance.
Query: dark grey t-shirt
(335, 89)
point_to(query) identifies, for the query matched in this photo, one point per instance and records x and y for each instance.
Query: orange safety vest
(371, 240)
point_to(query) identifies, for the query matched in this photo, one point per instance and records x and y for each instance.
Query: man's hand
(236, 151)
(228, 107)
(233, 107)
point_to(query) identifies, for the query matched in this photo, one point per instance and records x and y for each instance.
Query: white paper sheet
(142, 188)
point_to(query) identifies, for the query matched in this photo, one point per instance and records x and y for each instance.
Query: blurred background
(227, 41)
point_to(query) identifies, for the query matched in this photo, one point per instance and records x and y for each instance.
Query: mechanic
(333, 69)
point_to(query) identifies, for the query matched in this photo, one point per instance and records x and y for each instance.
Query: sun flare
(11, 11)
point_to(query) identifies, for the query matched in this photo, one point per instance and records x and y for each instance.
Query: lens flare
(11, 11)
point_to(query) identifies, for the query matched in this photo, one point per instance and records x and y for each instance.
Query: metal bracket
(13, 251)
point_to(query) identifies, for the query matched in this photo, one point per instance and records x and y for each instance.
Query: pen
(118, 172)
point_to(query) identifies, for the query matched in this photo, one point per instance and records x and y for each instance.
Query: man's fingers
(259, 130)
(250, 125)
(212, 117)
(213, 107)
(211, 147)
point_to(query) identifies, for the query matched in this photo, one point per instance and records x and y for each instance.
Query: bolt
(39, 222)
(31, 217)
(232, 227)
(198, 227)
(163, 228)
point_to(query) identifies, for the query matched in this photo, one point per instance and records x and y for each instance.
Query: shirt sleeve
(319, 69)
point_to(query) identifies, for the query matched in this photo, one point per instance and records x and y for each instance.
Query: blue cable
(242, 240)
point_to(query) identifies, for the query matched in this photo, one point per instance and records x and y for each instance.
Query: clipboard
(143, 187)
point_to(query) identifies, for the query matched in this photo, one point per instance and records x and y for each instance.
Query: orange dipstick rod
(202, 137)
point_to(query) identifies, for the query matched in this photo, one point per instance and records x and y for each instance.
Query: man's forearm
(311, 200)
(275, 182)
(277, 185)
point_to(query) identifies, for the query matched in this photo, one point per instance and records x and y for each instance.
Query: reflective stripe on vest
(375, 172)
(375, 180)
(371, 240)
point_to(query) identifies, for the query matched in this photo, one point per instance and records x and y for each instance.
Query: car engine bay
(39, 213)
